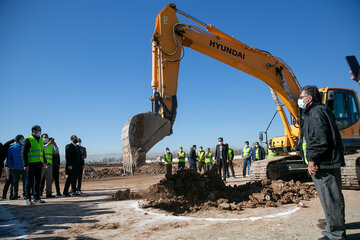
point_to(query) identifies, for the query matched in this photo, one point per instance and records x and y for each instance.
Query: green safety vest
(168, 158)
(257, 153)
(201, 155)
(304, 150)
(271, 153)
(36, 151)
(246, 151)
(48, 150)
(208, 157)
(181, 156)
(230, 154)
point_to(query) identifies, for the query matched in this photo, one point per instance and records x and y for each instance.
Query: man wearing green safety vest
(181, 159)
(271, 153)
(201, 159)
(168, 162)
(208, 159)
(47, 172)
(258, 152)
(230, 163)
(246, 154)
(34, 159)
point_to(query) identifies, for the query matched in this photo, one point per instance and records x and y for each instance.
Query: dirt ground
(94, 216)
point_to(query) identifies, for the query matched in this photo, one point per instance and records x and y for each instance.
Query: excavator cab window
(344, 106)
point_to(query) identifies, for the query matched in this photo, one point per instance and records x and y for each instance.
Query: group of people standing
(202, 161)
(36, 159)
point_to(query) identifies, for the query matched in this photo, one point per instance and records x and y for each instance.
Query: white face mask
(301, 103)
(38, 134)
(79, 144)
(246, 145)
(46, 140)
(167, 151)
(256, 145)
(201, 149)
(220, 143)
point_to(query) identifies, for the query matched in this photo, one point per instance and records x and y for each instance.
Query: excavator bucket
(139, 135)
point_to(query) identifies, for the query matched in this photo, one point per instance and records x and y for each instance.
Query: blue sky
(84, 67)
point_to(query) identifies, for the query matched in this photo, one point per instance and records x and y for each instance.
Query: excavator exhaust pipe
(139, 135)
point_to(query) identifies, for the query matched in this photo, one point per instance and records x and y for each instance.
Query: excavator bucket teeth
(139, 135)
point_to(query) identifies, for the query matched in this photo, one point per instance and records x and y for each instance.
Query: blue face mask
(22, 142)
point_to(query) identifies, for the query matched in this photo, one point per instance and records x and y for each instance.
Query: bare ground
(94, 216)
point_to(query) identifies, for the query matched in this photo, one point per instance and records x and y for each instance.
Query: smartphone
(354, 66)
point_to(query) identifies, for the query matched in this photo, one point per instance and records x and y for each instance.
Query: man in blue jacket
(16, 165)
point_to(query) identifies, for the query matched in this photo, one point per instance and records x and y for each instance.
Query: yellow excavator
(170, 37)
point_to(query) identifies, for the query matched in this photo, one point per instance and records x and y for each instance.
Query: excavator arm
(168, 42)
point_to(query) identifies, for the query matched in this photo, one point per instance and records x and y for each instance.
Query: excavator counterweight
(139, 135)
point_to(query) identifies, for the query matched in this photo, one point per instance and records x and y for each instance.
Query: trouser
(33, 179)
(201, 165)
(78, 179)
(328, 186)
(8, 183)
(208, 166)
(222, 166)
(181, 165)
(230, 164)
(56, 178)
(46, 175)
(246, 162)
(192, 164)
(69, 181)
(168, 169)
(15, 174)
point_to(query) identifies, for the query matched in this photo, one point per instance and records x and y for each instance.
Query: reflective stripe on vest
(36, 151)
(304, 150)
(257, 156)
(230, 154)
(246, 151)
(168, 158)
(271, 153)
(48, 150)
(208, 157)
(181, 156)
(201, 155)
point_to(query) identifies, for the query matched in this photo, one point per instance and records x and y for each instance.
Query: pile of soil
(124, 195)
(187, 191)
(151, 168)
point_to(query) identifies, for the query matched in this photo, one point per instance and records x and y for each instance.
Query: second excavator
(170, 37)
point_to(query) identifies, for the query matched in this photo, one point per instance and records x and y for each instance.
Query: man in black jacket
(3, 153)
(322, 150)
(73, 158)
(221, 157)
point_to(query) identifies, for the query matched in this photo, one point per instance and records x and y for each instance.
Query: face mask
(22, 142)
(167, 151)
(220, 143)
(246, 145)
(79, 144)
(256, 145)
(301, 103)
(75, 141)
(201, 149)
(46, 140)
(38, 134)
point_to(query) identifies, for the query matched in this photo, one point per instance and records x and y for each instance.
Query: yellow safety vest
(201, 155)
(208, 157)
(271, 153)
(48, 150)
(257, 153)
(246, 151)
(304, 150)
(36, 151)
(168, 158)
(230, 154)
(181, 156)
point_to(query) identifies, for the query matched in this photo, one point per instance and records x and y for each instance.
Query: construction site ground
(94, 216)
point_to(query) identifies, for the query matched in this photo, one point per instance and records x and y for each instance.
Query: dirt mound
(187, 191)
(94, 173)
(124, 195)
(151, 168)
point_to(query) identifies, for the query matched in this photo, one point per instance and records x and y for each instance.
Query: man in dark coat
(73, 158)
(221, 157)
(323, 151)
(192, 158)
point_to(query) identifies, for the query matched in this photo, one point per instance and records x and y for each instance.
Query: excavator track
(285, 166)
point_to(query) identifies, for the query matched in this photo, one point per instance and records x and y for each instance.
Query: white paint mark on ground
(184, 218)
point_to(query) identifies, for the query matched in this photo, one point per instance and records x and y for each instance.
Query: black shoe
(59, 194)
(74, 194)
(49, 196)
(66, 194)
(39, 201)
(3, 197)
(233, 176)
(324, 238)
(14, 198)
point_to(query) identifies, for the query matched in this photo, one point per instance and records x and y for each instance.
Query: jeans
(246, 162)
(33, 179)
(8, 183)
